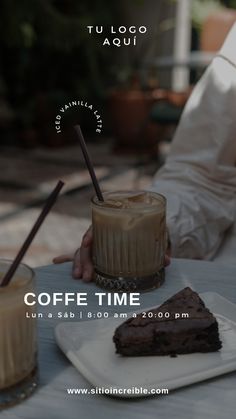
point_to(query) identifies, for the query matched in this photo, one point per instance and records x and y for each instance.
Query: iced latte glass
(18, 365)
(129, 240)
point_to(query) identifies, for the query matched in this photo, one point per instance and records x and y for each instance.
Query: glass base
(126, 284)
(20, 391)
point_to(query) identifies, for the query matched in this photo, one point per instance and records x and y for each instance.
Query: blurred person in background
(199, 176)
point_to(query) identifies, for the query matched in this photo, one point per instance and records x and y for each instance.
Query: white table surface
(214, 399)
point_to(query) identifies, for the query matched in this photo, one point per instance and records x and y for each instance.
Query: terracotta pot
(178, 98)
(216, 28)
(130, 118)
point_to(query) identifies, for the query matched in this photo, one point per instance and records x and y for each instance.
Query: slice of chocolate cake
(181, 325)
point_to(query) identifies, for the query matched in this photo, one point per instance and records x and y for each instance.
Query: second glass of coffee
(129, 240)
(18, 345)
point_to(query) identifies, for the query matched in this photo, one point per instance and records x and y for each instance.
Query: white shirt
(199, 176)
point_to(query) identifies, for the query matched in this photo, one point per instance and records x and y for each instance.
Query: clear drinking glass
(18, 350)
(129, 240)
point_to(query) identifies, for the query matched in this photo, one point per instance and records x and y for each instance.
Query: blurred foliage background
(46, 59)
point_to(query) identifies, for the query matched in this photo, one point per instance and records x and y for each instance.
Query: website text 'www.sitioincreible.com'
(116, 391)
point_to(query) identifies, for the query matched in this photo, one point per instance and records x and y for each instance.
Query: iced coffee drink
(129, 240)
(17, 337)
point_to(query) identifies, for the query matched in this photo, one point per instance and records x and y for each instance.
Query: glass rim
(97, 203)
(24, 265)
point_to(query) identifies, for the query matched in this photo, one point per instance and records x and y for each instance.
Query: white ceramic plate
(89, 346)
